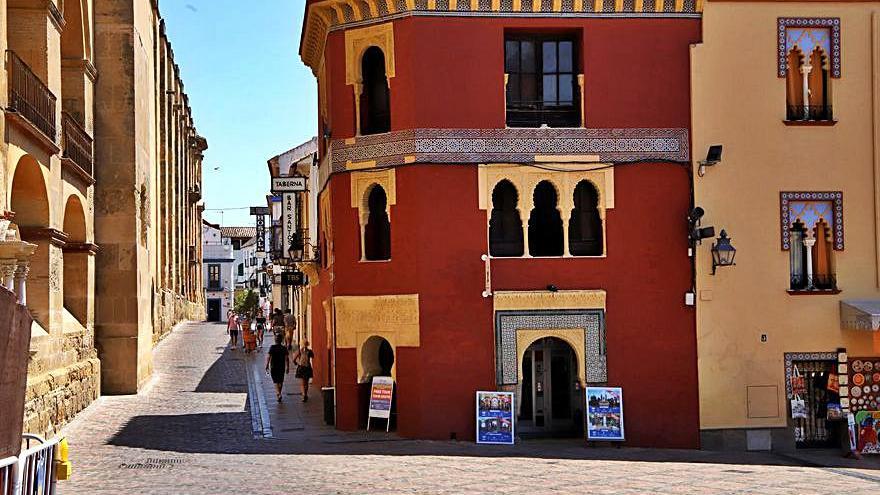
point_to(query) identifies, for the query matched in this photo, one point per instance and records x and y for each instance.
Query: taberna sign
(289, 184)
(295, 279)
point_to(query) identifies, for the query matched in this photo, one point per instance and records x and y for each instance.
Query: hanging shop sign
(381, 396)
(288, 184)
(605, 414)
(293, 279)
(257, 211)
(261, 234)
(495, 424)
(288, 222)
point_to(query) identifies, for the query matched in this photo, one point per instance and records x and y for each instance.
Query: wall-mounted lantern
(723, 252)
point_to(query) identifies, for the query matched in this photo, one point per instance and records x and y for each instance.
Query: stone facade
(88, 163)
(148, 207)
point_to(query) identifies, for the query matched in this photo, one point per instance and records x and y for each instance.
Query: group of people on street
(279, 358)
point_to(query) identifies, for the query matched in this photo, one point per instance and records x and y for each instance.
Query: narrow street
(193, 430)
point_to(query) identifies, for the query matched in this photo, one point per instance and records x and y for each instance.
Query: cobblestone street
(192, 431)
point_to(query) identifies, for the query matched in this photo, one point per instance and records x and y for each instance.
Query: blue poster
(605, 414)
(495, 418)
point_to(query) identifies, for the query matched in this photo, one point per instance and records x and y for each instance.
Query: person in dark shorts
(303, 362)
(232, 328)
(278, 364)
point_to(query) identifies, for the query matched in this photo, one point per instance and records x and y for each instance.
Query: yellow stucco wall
(739, 101)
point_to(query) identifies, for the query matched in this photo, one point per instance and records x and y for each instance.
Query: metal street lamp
(723, 252)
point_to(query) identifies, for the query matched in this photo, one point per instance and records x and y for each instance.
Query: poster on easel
(381, 396)
(495, 424)
(605, 414)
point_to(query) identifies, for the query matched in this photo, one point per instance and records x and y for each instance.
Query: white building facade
(218, 263)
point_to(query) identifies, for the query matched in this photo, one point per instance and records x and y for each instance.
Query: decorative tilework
(650, 5)
(794, 357)
(506, 6)
(811, 32)
(507, 323)
(567, 6)
(382, 6)
(512, 146)
(608, 5)
(484, 5)
(808, 207)
(422, 5)
(629, 5)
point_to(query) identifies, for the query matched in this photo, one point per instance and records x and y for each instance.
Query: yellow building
(792, 92)
(88, 161)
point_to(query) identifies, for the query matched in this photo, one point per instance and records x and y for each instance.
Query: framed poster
(605, 414)
(381, 395)
(495, 424)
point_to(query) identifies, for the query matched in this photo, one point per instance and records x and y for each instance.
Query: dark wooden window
(585, 226)
(241, 269)
(377, 232)
(545, 223)
(505, 225)
(214, 277)
(376, 98)
(542, 87)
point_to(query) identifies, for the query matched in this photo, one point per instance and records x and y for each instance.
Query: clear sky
(252, 96)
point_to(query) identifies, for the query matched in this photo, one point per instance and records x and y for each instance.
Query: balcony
(30, 98)
(77, 146)
(809, 114)
(815, 284)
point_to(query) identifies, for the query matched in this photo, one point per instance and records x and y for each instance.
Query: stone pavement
(192, 431)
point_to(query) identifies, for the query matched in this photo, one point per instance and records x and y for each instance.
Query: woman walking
(278, 364)
(232, 329)
(303, 361)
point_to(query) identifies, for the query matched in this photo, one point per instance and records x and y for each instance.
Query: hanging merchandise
(833, 383)
(798, 405)
(833, 412)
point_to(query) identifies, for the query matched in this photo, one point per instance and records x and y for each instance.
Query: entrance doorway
(214, 309)
(552, 399)
(815, 431)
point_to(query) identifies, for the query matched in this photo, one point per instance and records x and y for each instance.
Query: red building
(550, 136)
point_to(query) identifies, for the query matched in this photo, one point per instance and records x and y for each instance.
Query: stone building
(148, 207)
(91, 160)
(798, 191)
(47, 88)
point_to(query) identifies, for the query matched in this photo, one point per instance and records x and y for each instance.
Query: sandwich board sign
(381, 395)
(495, 423)
(605, 414)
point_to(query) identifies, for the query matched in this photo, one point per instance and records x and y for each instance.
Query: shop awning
(863, 314)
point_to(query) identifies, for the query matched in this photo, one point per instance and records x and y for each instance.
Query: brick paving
(191, 431)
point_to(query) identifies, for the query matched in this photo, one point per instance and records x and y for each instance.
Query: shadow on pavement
(219, 377)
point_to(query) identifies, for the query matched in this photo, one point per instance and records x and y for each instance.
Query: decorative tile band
(806, 32)
(788, 205)
(511, 146)
(508, 323)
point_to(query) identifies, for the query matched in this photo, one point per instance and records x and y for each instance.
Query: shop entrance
(213, 309)
(816, 431)
(552, 400)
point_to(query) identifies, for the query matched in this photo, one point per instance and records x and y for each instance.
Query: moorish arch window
(809, 56)
(377, 231)
(585, 225)
(505, 224)
(375, 104)
(812, 232)
(545, 222)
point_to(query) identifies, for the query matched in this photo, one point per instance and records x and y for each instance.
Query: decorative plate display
(856, 392)
(859, 379)
(875, 388)
(877, 365)
(857, 366)
(866, 389)
(861, 401)
(876, 377)
(868, 366)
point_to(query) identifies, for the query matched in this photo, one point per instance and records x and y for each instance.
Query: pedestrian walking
(278, 364)
(261, 327)
(303, 361)
(278, 323)
(232, 329)
(289, 328)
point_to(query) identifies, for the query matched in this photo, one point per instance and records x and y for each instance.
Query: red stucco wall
(450, 75)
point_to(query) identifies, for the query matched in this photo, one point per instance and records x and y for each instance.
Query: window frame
(215, 278)
(526, 114)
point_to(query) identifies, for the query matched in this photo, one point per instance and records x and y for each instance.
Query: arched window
(818, 86)
(375, 99)
(505, 226)
(794, 84)
(377, 232)
(807, 85)
(585, 226)
(545, 223)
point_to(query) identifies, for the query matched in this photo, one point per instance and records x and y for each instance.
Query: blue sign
(495, 418)
(605, 414)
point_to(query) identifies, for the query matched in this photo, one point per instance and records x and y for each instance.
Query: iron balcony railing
(29, 97)
(815, 282)
(809, 112)
(77, 144)
(538, 113)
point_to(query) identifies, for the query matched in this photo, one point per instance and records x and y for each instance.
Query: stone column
(805, 70)
(809, 243)
(21, 274)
